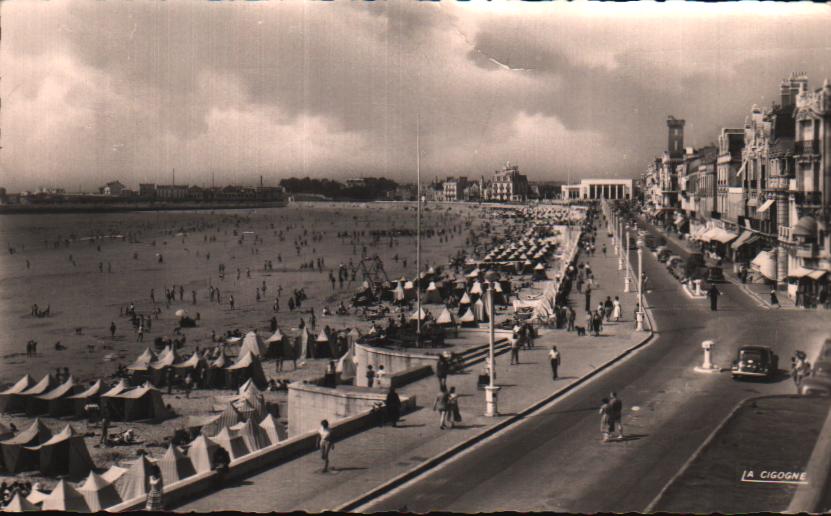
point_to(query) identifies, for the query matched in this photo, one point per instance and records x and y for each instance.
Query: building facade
(508, 185)
(600, 189)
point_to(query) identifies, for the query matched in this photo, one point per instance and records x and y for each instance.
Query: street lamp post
(640, 314)
(491, 409)
(626, 267)
(622, 248)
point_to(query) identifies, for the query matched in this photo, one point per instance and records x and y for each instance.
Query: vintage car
(755, 362)
(818, 383)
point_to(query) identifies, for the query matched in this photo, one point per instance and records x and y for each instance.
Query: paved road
(555, 461)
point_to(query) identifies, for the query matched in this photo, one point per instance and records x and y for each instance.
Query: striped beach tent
(175, 465)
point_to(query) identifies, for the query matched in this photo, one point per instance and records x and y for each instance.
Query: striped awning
(766, 206)
(747, 237)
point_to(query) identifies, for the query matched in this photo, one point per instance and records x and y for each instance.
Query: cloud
(130, 90)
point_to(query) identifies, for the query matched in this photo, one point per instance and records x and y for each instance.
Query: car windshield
(754, 355)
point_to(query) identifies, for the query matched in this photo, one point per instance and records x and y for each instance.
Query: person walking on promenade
(515, 344)
(570, 316)
(607, 308)
(441, 372)
(441, 405)
(112, 329)
(453, 414)
(370, 376)
(774, 299)
(325, 443)
(554, 358)
(155, 491)
(616, 309)
(616, 413)
(604, 420)
(588, 297)
(713, 294)
(392, 406)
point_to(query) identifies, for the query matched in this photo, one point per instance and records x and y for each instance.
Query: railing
(785, 233)
(807, 147)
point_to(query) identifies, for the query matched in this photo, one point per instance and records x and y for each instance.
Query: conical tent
(446, 318)
(110, 401)
(90, 395)
(353, 335)
(468, 318)
(305, 340)
(142, 363)
(136, 481)
(253, 343)
(16, 456)
(65, 498)
(9, 400)
(99, 493)
(420, 314)
(433, 295)
(64, 454)
(216, 372)
(247, 367)
(55, 402)
(20, 504)
(275, 344)
(46, 384)
(254, 437)
(233, 444)
(36, 497)
(175, 465)
(201, 452)
(256, 401)
(398, 294)
(229, 417)
(465, 300)
(476, 289)
(273, 429)
(346, 365)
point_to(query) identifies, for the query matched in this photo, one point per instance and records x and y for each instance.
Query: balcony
(785, 233)
(806, 147)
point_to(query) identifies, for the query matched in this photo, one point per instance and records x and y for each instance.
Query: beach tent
(246, 367)
(432, 295)
(175, 465)
(143, 402)
(275, 344)
(254, 437)
(353, 335)
(158, 369)
(136, 481)
(215, 377)
(232, 443)
(253, 343)
(17, 456)
(98, 492)
(55, 402)
(324, 345)
(539, 272)
(64, 454)
(446, 318)
(228, 417)
(418, 315)
(346, 365)
(253, 398)
(143, 361)
(275, 431)
(201, 453)
(409, 290)
(113, 474)
(65, 498)
(36, 497)
(476, 289)
(479, 310)
(111, 402)
(20, 504)
(193, 364)
(9, 399)
(46, 384)
(81, 399)
(468, 318)
(302, 346)
(473, 274)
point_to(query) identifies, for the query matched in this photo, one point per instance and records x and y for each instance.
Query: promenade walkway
(367, 460)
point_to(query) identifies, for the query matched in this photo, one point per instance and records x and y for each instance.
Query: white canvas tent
(9, 399)
(273, 429)
(65, 498)
(446, 318)
(99, 493)
(254, 437)
(432, 295)
(19, 504)
(136, 481)
(253, 343)
(175, 465)
(232, 443)
(64, 454)
(81, 399)
(201, 452)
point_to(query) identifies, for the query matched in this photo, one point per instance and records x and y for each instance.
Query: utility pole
(491, 409)
(418, 232)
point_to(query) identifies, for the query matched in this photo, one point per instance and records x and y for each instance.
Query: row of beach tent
(36, 448)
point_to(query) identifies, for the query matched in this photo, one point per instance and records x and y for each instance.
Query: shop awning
(765, 264)
(747, 237)
(817, 274)
(708, 235)
(723, 236)
(766, 206)
(798, 272)
(697, 233)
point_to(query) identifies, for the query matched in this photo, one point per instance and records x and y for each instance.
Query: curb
(436, 460)
(808, 497)
(650, 509)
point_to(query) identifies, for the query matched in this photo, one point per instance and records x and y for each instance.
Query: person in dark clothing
(441, 372)
(393, 407)
(713, 294)
(588, 299)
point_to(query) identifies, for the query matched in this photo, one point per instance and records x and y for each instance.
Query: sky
(94, 91)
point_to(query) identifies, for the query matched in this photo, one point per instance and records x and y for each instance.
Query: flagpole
(418, 233)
